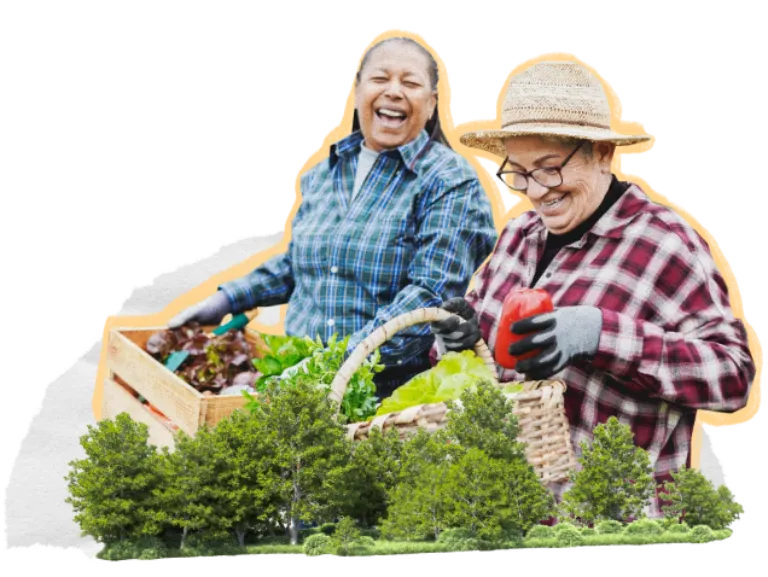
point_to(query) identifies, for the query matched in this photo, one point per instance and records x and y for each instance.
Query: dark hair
(432, 127)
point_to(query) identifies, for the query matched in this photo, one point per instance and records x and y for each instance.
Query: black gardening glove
(453, 333)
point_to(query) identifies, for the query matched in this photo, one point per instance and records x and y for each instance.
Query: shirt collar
(612, 223)
(409, 152)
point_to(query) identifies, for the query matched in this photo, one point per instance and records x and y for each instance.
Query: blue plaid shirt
(412, 237)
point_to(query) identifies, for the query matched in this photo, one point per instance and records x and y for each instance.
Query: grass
(281, 546)
(624, 539)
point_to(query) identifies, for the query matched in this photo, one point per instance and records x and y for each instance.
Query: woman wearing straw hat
(393, 220)
(642, 327)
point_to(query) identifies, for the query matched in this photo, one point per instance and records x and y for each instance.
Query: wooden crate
(133, 372)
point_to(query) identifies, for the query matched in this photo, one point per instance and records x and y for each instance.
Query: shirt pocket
(384, 249)
(310, 248)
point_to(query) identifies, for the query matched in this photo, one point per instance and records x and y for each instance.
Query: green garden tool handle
(238, 322)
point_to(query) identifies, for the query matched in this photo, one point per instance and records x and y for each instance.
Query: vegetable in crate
(214, 363)
(283, 352)
(518, 304)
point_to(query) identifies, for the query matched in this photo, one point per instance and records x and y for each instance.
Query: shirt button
(334, 269)
(330, 322)
(548, 275)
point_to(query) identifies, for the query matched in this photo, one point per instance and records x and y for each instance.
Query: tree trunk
(294, 517)
(183, 537)
(240, 532)
(294, 528)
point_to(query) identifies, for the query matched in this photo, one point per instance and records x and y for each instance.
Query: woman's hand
(207, 312)
(457, 335)
(562, 335)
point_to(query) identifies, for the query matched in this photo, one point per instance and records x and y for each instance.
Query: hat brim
(493, 140)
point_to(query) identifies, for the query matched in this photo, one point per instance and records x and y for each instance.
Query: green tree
(472, 475)
(345, 534)
(478, 492)
(246, 474)
(308, 447)
(192, 495)
(484, 420)
(528, 500)
(422, 450)
(366, 484)
(692, 497)
(419, 508)
(615, 480)
(418, 502)
(111, 490)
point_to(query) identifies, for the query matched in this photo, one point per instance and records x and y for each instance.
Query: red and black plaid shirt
(669, 345)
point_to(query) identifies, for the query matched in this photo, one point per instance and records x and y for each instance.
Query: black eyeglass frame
(530, 173)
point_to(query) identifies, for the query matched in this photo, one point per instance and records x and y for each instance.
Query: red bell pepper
(518, 304)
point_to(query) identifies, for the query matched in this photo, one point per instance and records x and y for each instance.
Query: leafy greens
(455, 373)
(319, 369)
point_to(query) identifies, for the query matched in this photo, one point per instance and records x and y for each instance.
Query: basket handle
(385, 332)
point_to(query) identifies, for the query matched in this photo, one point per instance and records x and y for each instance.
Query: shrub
(357, 549)
(372, 532)
(365, 541)
(608, 527)
(701, 534)
(587, 531)
(140, 548)
(454, 535)
(473, 544)
(319, 544)
(308, 531)
(568, 536)
(328, 528)
(722, 533)
(678, 528)
(563, 526)
(693, 497)
(540, 532)
(667, 521)
(644, 527)
(615, 480)
(538, 543)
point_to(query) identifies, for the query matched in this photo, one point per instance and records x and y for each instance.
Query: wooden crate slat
(118, 400)
(214, 409)
(172, 396)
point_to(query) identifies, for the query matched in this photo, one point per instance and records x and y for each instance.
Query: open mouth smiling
(391, 117)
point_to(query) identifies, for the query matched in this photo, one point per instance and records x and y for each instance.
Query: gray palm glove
(454, 334)
(207, 312)
(563, 335)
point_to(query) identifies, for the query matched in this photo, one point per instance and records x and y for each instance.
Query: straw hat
(554, 99)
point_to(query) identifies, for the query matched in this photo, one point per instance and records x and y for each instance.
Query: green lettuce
(455, 373)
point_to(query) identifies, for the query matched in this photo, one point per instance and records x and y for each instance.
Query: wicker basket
(539, 407)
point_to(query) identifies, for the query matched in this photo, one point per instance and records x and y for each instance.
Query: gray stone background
(35, 509)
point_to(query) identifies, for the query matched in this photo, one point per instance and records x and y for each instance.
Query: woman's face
(394, 96)
(585, 179)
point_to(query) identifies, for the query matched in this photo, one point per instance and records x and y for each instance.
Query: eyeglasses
(547, 176)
